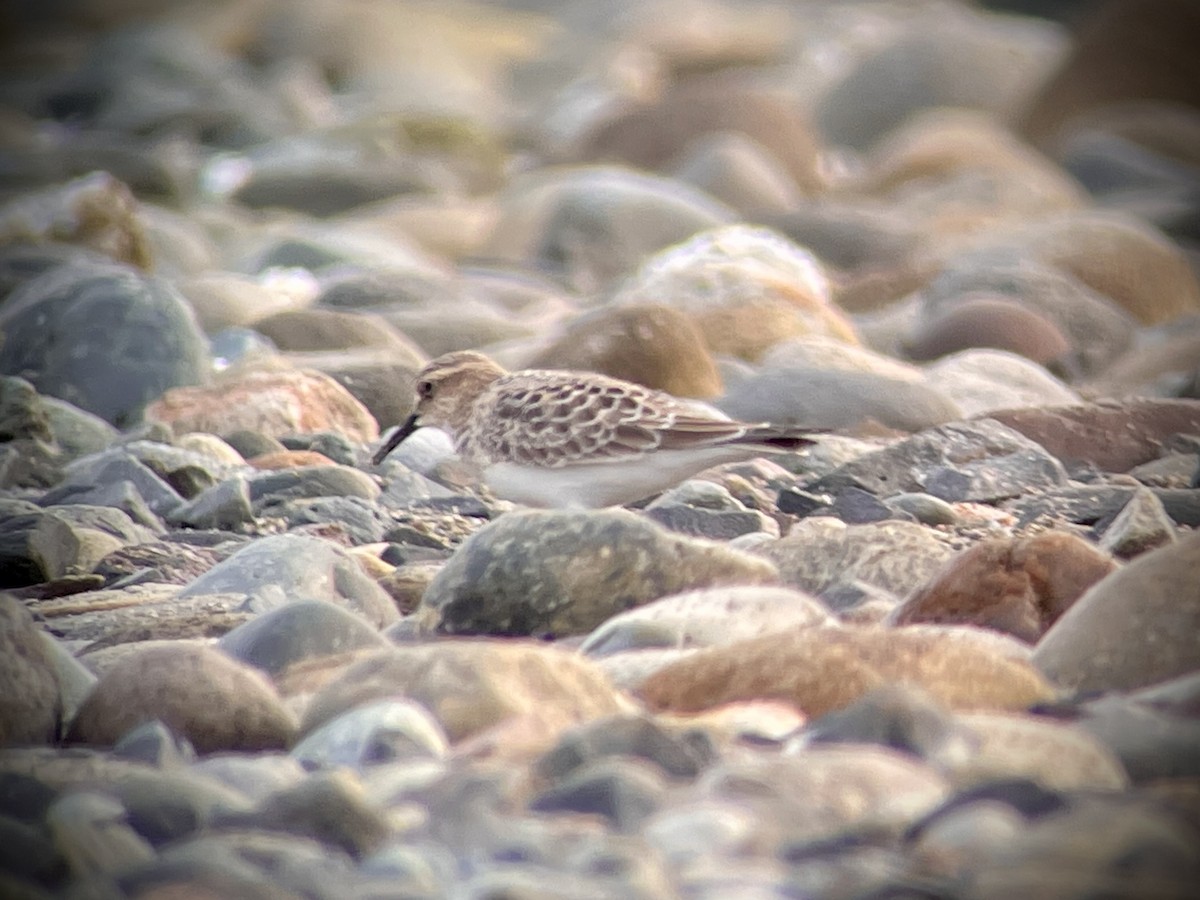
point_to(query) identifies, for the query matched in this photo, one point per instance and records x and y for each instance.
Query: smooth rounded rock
(271, 402)
(821, 553)
(652, 345)
(470, 686)
(107, 339)
(980, 381)
(384, 731)
(823, 669)
(1134, 628)
(746, 288)
(299, 630)
(272, 571)
(1020, 586)
(539, 573)
(981, 460)
(200, 693)
(1058, 756)
(1114, 435)
(705, 618)
(596, 223)
(30, 705)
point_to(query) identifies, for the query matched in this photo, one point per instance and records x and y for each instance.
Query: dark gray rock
(186, 471)
(676, 755)
(106, 339)
(329, 807)
(63, 540)
(76, 431)
(623, 792)
(156, 79)
(226, 505)
(284, 568)
(855, 506)
(312, 481)
(122, 495)
(332, 444)
(301, 630)
(980, 460)
(360, 519)
(111, 469)
(30, 705)
(902, 717)
(22, 413)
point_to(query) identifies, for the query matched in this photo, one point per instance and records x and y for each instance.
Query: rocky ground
(952, 651)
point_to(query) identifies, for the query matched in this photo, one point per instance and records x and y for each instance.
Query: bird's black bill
(398, 437)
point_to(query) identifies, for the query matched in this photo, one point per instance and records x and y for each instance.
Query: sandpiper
(576, 439)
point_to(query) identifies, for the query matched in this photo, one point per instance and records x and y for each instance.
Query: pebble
(706, 618)
(823, 669)
(1115, 437)
(31, 706)
(272, 402)
(821, 554)
(981, 460)
(745, 288)
(470, 686)
(200, 693)
(1019, 586)
(1156, 597)
(156, 345)
(285, 568)
(562, 573)
(299, 630)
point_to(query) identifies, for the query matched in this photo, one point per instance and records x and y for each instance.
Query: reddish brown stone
(1019, 586)
(987, 321)
(823, 669)
(1113, 436)
(271, 402)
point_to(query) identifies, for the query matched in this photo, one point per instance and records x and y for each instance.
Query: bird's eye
(424, 389)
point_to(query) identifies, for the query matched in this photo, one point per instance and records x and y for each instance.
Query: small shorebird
(576, 439)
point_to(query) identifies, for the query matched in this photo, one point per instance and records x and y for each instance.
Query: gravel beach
(949, 650)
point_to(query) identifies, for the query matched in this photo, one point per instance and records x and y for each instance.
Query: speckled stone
(550, 572)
